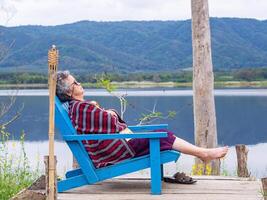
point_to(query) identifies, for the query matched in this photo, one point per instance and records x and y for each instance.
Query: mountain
(132, 46)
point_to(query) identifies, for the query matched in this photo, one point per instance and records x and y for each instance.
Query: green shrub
(15, 172)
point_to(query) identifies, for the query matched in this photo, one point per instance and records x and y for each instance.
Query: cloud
(53, 12)
(239, 8)
(7, 12)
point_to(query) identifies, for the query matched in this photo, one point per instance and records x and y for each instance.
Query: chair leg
(155, 166)
(70, 183)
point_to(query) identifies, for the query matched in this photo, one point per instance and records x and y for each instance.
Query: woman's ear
(69, 94)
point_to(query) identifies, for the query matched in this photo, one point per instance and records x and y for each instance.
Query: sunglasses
(75, 83)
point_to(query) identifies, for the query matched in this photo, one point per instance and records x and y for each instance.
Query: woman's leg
(202, 153)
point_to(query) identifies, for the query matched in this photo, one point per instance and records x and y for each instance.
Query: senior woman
(88, 117)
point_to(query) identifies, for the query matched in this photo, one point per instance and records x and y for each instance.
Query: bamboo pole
(46, 162)
(52, 69)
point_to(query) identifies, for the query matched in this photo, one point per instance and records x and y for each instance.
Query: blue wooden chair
(87, 174)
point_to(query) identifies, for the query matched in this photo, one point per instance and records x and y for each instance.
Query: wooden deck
(208, 188)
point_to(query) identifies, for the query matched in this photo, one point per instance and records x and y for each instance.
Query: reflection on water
(35, 151)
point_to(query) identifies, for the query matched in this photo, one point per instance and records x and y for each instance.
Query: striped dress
(88, 118)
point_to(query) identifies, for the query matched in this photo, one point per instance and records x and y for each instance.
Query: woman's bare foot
(214, 153)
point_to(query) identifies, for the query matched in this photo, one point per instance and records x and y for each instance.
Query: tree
(203, 83)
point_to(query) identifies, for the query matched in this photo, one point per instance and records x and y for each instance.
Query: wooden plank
(115, 136)
(178, 191)
(148, 127)
(143, 187)
(199, 178)
(121, 189)
(224, 178)
(160, 197)
(115, 183)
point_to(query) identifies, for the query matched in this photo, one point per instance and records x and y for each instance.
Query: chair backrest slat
(63, 123)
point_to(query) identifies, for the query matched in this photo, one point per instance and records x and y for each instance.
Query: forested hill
(132, 46)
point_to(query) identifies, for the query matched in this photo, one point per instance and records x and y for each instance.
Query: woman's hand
(112, 112)
(109, 110)
(94, 103)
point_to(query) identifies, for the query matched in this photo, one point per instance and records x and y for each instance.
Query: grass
(201, 169)
(252, 84)
(15, 173)
(263, 193)
(149, 84)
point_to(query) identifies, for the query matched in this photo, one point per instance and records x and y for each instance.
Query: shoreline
(148, 84)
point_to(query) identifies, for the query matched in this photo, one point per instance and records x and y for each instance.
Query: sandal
(179, 178)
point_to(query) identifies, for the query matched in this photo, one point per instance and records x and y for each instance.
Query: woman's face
(76, 90)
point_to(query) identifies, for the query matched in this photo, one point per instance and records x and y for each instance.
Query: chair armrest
(148, 127)
(114, 136)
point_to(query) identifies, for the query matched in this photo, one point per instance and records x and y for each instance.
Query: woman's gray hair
(63, 88)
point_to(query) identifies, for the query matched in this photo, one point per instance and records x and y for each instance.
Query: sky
(55, 12)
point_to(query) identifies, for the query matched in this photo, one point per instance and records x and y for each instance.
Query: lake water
(241, 119)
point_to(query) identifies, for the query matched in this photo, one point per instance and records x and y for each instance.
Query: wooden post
(47, 187)
(203, 84)
(264, 188)
(242, 153)
(52, 69)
